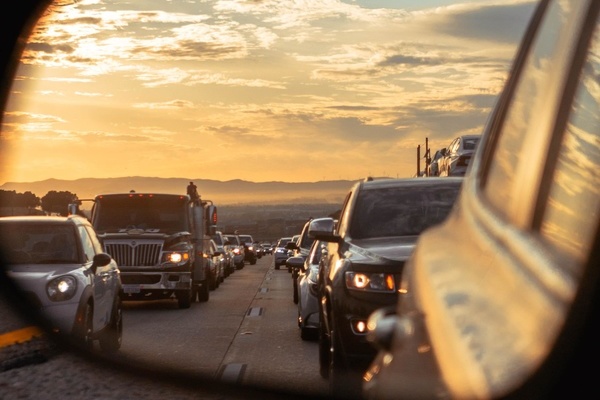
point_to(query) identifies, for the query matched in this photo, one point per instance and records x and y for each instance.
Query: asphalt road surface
(243, 343)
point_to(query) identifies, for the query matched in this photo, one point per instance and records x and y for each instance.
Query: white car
(59, 264)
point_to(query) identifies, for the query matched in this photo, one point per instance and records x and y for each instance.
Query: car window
(86, 242)
(401, 211)
(470, 143)
(94, 238)
(522, 144)
(38, 243)
(566, 229)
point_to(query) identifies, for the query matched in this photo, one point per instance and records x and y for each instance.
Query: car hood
(392, 248)
(33, 276)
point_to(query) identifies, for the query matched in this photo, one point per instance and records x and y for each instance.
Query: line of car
(64, 271)
(498, 297)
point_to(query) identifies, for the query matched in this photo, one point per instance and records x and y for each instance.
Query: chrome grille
(132, 253)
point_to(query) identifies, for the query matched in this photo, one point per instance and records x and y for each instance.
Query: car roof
(43, 219)
(380, 183)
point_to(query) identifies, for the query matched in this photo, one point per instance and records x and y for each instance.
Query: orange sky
(262, 91)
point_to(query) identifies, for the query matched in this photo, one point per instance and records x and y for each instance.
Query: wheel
(340, 384)
(295, 290)
(203, 291)
(184, 299)
(276, 266)
(112, 336)
(84, 329)
(212, 282)
(323, 349)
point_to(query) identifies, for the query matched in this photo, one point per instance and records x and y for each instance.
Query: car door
(104, 280)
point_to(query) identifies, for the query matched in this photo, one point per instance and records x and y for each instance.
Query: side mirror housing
(100, 260)
(296, 262)
(323, 229)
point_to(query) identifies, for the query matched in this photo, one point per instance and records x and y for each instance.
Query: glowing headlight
(373, 282)
(176, 257)
(62, 288)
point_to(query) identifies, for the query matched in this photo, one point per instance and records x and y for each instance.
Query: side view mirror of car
(291, 246)
(323, 229)
(295, 262)
(100, 260)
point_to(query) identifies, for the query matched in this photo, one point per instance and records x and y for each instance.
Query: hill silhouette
(233, 192)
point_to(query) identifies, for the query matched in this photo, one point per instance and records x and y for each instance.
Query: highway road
(245, 334)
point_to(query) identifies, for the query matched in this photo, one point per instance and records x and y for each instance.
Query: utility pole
(418, 160)
(427, 156)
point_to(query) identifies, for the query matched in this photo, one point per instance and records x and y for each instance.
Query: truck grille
(132, 253)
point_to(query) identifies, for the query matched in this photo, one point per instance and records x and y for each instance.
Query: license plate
(131, 289)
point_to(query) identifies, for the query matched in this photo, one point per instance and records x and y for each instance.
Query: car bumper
(350, 313)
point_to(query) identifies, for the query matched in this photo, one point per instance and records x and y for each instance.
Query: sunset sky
(262, 90)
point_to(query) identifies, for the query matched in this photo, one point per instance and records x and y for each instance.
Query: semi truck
(157, 241)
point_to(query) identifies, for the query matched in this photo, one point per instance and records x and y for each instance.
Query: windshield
(39, 243)
(157, 213)
(402, 210)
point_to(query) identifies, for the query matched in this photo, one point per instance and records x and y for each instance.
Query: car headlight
(176, 257)
(61, 288)
(373, 282)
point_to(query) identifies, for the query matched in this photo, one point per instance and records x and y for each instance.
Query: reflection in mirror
(108, 94)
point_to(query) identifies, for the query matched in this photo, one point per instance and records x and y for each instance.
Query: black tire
(184, 299)
(295, 290)
(323, 349)
(112, 336)
(203, 292)
(84, 330)
(277, 267)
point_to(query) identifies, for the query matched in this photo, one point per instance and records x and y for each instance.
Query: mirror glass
(243, 97)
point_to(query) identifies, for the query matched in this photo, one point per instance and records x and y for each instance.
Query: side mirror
(295, 262)
(323, 229)
(100, 260)
(291, 246)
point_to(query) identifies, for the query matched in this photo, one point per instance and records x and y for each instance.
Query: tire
(184, 299)
(112, 336)
(203, 292)
(323, 349)
(277, 267)
(295, 290)
(84, 330)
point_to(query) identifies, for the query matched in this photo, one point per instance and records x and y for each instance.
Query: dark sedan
(377, 231)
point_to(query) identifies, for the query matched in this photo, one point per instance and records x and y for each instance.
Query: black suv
(360, 272)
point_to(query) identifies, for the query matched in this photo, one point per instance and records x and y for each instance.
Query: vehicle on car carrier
(157, 241)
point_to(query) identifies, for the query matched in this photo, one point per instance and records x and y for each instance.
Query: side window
(342, 224)
(86, 242)
(454, 146)
(519, 155)
(572, 212)
(94, 238)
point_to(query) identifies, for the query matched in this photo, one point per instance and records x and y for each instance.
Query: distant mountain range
(220, 192)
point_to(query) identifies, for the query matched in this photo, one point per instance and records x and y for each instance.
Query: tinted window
(470, 144)
(401, 211)
(573, 206)
(39, 243)
(167, 214)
